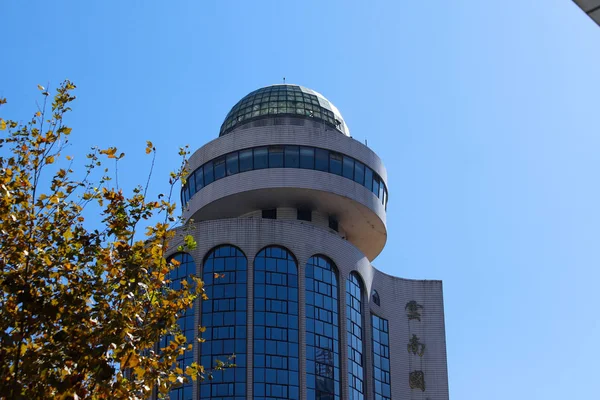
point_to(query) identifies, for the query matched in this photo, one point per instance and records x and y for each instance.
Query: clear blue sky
(485, 114)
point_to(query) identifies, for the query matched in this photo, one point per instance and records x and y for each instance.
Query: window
(224, 316)
(292, 157)
(322, 330)
(348, 167)
(245, 160)
(368, 178)
(304, 214)
(355, 337)
(307, 157)
(220, 168)
(288, 157)
(375, 297)
(333, 223)
(199, 178)
(232, 163)
(381, 358)
(376, 185)
(208, 173)
(276, 157)
(322, 160)
(276, 352)
(186, 268)
(335, 163)
(270, 214)
(261, 158)
(359, 173)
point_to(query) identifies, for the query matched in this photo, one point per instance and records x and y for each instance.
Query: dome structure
(284, 100)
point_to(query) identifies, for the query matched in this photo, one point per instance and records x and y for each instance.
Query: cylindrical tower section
(288, 165)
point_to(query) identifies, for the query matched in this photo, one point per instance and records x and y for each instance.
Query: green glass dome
(284, 100)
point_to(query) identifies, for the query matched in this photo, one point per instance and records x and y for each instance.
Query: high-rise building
(288, 213)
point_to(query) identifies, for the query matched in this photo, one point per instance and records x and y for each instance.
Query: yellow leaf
(49, 159)
(68, 235)
(38, 114)
(2, 124)
(149, 147)
(69, 158)
(41, 87)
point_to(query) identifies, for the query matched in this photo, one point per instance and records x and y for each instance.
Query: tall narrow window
(276, 354)
(354, 334)
(224, 316)
(232, 163)
(186, 268)
(276, 157)
(381, 358)
(322, 330)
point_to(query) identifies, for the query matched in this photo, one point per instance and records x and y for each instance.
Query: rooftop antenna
(284, 80)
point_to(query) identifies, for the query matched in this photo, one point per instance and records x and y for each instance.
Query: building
(591, 8)
(289, 212)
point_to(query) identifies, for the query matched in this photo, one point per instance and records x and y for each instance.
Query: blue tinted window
(185, 321)
(307, 157)
(261, 158)
(224, 316)
(232, 163)
(276, 157)
(245, 160)
(348, 167)
(368, 178)
(335, 163)
(208, 173)
(322, 330)
(376, 185)
(354, 336)
(292, 157)
(219, 168)
(275, 325)
(322, 160)
(284, 156)
(359, 173)
(381, 358)
(199, 178)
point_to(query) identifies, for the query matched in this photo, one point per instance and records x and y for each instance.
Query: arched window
(381, 358)
(375, 297)
(182, 272)
(276, 356)
(354, 333)
(224, 316)
(322, 330)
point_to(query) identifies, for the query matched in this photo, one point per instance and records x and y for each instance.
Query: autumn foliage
(82, 308)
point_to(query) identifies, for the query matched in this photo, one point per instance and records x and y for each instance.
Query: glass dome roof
(280, 100)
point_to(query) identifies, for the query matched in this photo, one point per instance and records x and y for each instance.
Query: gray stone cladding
(303, 240)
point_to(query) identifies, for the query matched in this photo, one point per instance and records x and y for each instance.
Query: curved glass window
(354, 333)
(381, 358)
(279, 100)
(284, 157)
(276, 353)
(224, 316)
(186, 268)
(322, 330)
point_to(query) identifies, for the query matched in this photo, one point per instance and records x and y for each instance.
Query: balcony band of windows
(354, 334)
(186, 323)
(287, 156)
(276, 335)
(224, 316)
(381, 358)
(322, 330)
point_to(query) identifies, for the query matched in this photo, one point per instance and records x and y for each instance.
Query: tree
(82, 309)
